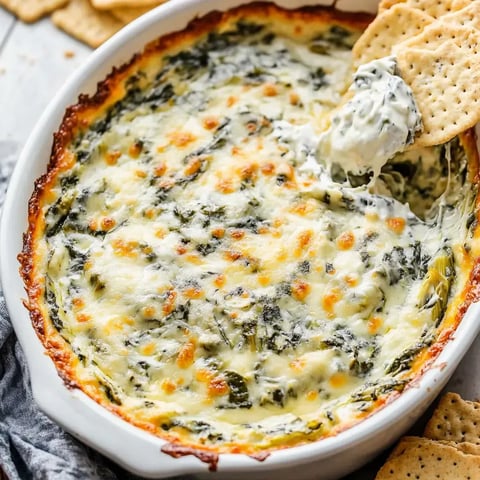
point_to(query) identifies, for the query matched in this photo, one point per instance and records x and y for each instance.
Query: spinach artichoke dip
(194, 265)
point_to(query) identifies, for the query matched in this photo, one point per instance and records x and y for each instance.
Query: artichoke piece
(111, 391)
(435, 289)
(433, 296)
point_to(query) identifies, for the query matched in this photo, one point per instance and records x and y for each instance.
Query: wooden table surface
(34, 63)
(35, 60)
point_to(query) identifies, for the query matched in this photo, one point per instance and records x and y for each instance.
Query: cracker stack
(455, 420)
(437, 45)
(449, 450)
(91, 21)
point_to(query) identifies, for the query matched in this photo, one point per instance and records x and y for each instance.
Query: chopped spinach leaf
(238, 396)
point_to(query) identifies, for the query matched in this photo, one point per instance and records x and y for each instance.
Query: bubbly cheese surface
(213, 279)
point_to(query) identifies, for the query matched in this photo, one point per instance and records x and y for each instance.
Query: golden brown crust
(178, 451)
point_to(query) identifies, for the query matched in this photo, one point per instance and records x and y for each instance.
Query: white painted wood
(6, 22)
(34, 63)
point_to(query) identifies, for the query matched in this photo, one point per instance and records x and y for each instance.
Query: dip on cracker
(380, 120)
(411, 87)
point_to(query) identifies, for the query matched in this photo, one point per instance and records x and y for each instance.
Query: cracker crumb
(68, 53)
(27, 58)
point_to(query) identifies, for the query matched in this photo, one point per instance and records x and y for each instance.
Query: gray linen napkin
(31, 445)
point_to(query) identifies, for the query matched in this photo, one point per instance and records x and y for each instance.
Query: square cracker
(109, 4)
(465, 447)
(425, 459)
(412, 22)
(443, 71)
(434, 34)
(455, 419)
(386, 4)
(82, 21)
(389, 28)
(434, 8)
(128, 14)
(31, 10)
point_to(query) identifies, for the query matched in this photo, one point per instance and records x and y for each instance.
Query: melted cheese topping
(216, 283)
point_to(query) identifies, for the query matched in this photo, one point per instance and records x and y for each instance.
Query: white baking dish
(132, 447)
